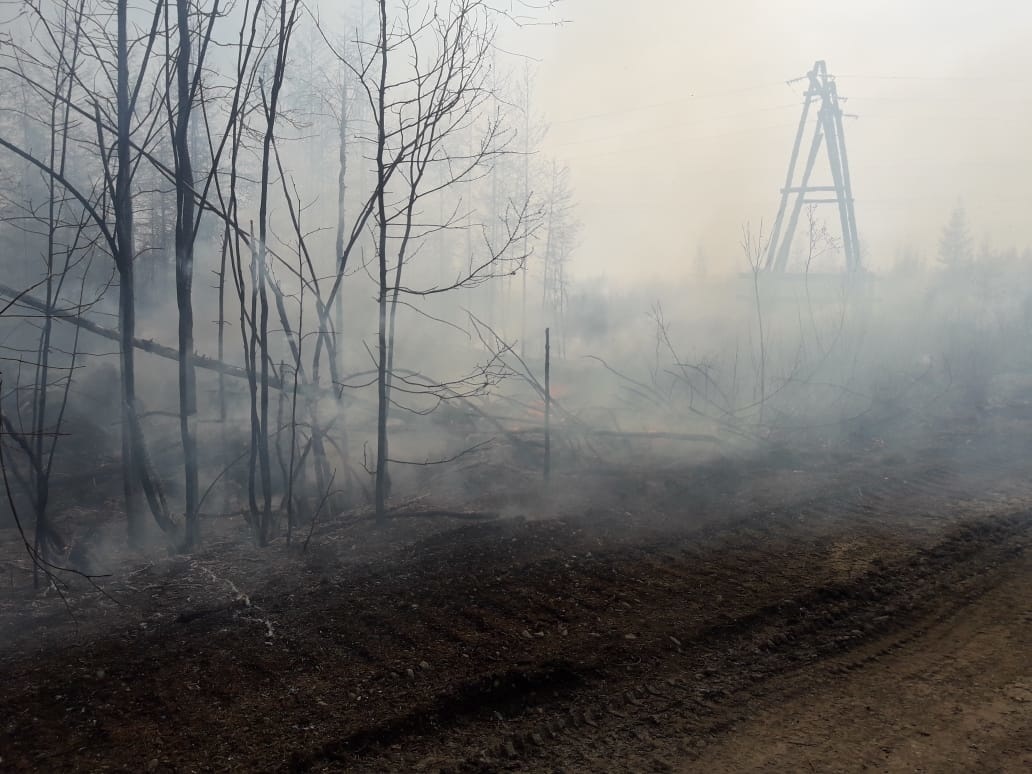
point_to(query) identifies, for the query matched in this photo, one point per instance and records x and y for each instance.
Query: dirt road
(952, 692)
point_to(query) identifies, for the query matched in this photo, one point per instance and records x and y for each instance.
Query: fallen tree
(146, 345)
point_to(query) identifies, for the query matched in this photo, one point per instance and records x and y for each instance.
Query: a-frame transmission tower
(828, 132)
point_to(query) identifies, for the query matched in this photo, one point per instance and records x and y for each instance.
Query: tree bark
(123, 207)
(381, 482)
(341, 220)
(184, 276)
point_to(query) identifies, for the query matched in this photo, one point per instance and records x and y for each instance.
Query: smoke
(677, 121)
(676, 125)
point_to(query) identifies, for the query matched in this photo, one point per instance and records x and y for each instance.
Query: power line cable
(666, 103)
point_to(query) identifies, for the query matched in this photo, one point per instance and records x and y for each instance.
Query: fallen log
(628, 434)
(440, 513)
(146, 345)
(703, 437)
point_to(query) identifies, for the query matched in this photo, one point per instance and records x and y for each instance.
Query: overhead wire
(979, 78)
(685, 138)
(676, 125)
(637, 133)
(665, 103)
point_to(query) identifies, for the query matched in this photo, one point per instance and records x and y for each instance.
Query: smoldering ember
(471, 386)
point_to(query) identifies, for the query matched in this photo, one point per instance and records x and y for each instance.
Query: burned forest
(471, 386)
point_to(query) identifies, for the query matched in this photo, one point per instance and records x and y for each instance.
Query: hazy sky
(676, 120)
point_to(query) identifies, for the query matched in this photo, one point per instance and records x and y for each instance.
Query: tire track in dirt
(952, 695)
(885, 607)
(839, 617)
(596, 637)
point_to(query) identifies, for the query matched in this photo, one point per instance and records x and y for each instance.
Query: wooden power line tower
(828, 132)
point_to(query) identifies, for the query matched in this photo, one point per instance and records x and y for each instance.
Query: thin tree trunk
(221, 347)
(526, 225)
(42, 378)
(546, 286)
(341, 220)
(251, 324)
(264, 461)
(382, 481)
(123, 207)
(548, 405)
(293, 426)
(184, 276)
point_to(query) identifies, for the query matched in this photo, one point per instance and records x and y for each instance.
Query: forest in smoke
(515, 385)
(280, 262)
(305, 220)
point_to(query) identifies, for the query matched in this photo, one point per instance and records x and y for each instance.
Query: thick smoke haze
(677, 122)
(483, 385)
(595, 175)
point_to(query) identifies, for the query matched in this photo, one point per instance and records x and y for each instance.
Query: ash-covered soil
(865, 607)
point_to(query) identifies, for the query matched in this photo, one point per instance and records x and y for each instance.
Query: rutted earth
(821, 612)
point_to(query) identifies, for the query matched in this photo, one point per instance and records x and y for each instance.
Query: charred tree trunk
(123, 207)
(382, 483)
(286, 24)
(184, 275)
(341, 220)
(221, 346)
(548, 405)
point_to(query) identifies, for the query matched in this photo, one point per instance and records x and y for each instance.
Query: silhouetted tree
(955, 240)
